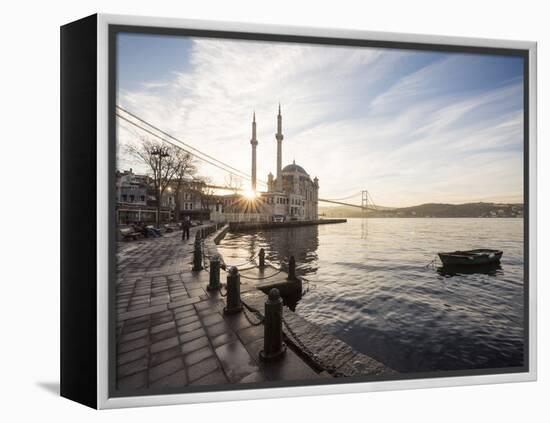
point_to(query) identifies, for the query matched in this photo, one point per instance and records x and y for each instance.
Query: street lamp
(160, 153)
(171, 204)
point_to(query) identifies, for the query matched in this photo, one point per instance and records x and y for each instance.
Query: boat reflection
(492, 269)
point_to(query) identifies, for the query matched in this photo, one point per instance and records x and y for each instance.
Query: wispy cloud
(153, 85)
(410, 127)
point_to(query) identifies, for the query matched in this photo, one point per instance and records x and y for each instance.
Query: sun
(250, 194)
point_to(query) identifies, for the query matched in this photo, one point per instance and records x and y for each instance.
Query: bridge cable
(225, 165)
(187, 151)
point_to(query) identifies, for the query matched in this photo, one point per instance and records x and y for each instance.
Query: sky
(411, 127)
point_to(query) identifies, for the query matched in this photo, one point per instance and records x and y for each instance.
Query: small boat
(482, 256)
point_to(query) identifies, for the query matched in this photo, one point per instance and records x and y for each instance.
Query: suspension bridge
(367, 203)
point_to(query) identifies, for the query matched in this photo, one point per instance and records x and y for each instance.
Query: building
(136, 199)
(290, 195)
(190, 199)
(132, 188)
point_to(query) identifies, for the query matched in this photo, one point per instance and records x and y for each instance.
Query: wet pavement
(171, 331)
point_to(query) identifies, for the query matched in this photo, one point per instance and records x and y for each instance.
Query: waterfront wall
(245, 226)
(211, 242)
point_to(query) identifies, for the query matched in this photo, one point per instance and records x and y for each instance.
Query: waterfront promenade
(171, 331)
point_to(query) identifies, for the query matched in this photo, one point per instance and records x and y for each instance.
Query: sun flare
(250, 194)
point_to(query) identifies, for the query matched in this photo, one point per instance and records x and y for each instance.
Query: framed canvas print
(254, 211)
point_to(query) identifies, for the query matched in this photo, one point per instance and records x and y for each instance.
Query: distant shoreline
(421, 217)
(429, 210)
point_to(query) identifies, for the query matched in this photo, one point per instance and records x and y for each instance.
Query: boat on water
(478, 257)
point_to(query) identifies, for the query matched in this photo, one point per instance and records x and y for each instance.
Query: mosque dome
(294, 168)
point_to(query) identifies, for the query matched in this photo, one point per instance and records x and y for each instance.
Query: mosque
(291, 194)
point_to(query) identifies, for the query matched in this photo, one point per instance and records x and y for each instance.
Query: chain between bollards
(256, 313)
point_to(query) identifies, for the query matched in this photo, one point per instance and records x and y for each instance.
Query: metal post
(197, 254)
(274, 347)
(233, 292)
(261, 256)
(214, 282)
(291, 268)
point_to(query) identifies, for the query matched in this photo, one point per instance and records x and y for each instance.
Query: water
(370, 287)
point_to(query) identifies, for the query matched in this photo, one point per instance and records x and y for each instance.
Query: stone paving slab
(172, 332)
(290, 367)
(141, 312)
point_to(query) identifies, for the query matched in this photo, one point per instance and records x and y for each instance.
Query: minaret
(254, 143)
(279, 138)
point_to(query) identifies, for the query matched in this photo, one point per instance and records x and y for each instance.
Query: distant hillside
(431, 210)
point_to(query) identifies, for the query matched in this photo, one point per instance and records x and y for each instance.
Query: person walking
(185, 226)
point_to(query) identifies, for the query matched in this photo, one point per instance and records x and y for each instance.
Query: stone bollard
(274, 347)
(291, 268)
(233, 292)
(214, 282)
(261, 257)
(197, 254)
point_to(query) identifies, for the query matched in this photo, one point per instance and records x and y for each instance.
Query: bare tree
(185, 170)
(161, 160)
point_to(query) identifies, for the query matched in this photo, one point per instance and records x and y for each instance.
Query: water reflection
(300, 242)
(492, 269)
(372, 288)
(364, 228)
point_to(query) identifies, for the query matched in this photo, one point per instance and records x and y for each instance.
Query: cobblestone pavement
(171, 332)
